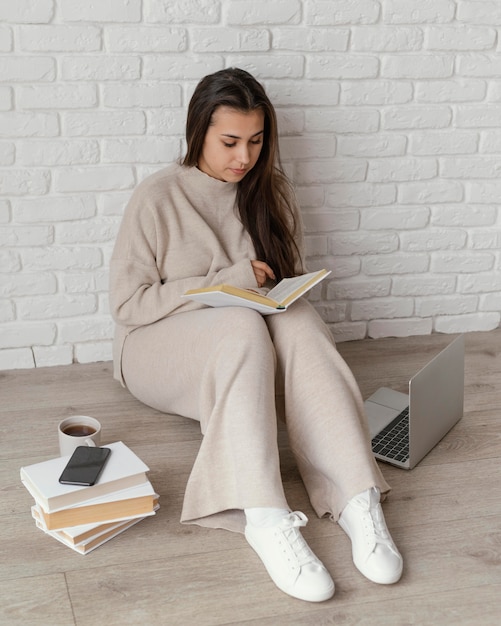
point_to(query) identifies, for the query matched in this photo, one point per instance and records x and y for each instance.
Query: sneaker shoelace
(376, 531)
(289, 527)
(374, 516)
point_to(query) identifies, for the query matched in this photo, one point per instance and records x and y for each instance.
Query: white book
(276, 300)
(85, 538)
(123, 469)
(91, 544)
(133, 502)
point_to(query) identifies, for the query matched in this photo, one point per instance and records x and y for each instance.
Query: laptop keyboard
(393, 441)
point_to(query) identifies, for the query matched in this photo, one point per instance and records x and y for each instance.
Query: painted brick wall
(390, 121)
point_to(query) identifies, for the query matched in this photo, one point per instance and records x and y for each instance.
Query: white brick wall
(390, 121)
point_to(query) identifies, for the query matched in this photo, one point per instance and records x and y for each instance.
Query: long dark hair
(263, 195)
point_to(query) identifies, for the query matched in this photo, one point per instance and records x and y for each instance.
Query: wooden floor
(445, 515)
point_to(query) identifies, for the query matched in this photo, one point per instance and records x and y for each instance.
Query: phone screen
(84, 466)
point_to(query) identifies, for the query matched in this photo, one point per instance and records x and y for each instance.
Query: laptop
(404, 428)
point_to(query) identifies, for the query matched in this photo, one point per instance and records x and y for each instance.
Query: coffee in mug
(78, 430)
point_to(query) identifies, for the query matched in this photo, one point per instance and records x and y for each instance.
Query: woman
(227, 214)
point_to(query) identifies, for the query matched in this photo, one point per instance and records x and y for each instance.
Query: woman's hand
(262, 271)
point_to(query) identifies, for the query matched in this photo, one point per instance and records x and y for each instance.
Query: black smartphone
(85, 465)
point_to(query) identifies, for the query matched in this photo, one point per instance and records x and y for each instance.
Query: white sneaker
(290, 562)
(374, 552)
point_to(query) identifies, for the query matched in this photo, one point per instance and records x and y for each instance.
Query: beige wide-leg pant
(223, 367)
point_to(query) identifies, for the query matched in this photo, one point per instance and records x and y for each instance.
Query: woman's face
(232, 144)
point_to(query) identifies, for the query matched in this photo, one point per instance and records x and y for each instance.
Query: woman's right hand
(262, 271)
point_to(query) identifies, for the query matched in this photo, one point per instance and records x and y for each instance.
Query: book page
(288, 286)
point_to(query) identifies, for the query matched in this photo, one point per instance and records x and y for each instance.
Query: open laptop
(404, 428)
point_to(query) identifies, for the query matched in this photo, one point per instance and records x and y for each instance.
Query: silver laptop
(404, 428)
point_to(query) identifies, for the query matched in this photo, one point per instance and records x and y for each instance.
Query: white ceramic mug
(78, 430)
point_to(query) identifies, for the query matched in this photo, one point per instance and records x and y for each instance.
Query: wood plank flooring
(445, 515)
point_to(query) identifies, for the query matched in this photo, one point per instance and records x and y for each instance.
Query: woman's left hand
(262, 271)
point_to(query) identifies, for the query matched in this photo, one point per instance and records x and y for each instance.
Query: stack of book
(84, 518)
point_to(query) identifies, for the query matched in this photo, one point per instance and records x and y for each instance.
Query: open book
(277, 300)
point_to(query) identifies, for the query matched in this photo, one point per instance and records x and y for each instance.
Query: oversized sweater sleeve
(139, 295)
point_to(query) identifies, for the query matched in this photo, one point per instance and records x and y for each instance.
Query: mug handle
(90, 443)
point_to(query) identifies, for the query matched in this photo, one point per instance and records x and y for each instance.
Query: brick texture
(390, 121)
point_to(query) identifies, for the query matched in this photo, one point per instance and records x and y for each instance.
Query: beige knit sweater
(180, 231)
